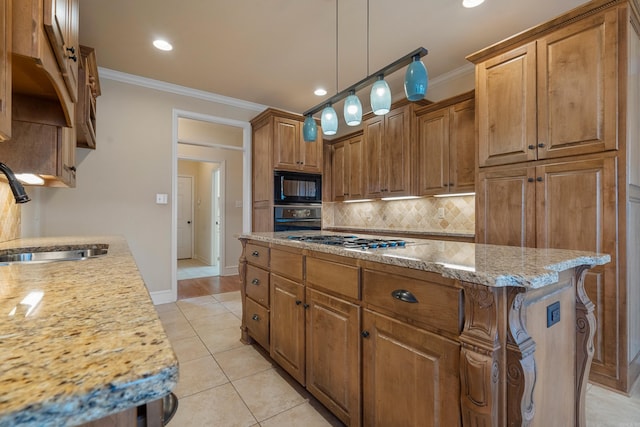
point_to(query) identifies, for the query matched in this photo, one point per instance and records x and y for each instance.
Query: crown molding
(106, 73)
(452, 75)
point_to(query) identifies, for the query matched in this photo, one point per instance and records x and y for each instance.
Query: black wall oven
(297, 217)
(297, 188)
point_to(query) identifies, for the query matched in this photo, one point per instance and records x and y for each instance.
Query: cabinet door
(506, 96)
(262, 218)
(373, 134)
(311, 154)
(5, 70)
(287, 326)
(262, 167)
(61, 23)
(410, 376)
(333, 354)
(355, 172)
(286, 144)
(339, 172)
(433, 152)
(505, 210)
(396, 157)
(576, 209)
(67, 156)
(577, 87)
(462, 143)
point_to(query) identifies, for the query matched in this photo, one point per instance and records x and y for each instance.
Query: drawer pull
(255, 317)
(255, 282)
(403, 295)
(255, 254)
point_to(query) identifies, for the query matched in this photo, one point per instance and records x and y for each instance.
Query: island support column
(242, 271)
(585, 331)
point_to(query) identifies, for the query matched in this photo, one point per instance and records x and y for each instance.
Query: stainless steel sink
(52, 255)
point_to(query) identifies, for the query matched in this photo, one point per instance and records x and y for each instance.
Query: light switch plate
(162, 199)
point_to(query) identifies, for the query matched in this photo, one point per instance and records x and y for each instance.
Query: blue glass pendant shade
(380, 97)
(352, 110)
(416, 80)
(329, 120)
(309, 129)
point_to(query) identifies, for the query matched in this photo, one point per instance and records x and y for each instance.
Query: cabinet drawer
(256, 317)
(287, 264)
(434, 305)
(334, 277)
(258, 255)
(257, 285)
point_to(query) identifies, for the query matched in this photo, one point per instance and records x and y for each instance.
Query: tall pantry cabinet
(558, 157)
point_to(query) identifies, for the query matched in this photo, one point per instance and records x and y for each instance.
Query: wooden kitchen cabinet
(555, 102)
(387, 144)
(291, 152)
(410, 376)
(61, 23)
(5, 70)
(445, 146)
(347, 174)
(552, 97)
(88, 92)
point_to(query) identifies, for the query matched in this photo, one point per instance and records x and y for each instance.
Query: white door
(185, 217)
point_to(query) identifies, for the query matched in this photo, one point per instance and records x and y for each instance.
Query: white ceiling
(276, 52)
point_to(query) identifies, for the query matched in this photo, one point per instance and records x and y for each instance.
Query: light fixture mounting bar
(389, 69)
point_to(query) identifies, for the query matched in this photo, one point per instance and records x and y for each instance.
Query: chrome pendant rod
(389, 69)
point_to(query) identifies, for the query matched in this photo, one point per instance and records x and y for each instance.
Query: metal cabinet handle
(255, 282)
(365, 334)
(532, 147)
(541, 145)
(255, 254)
(298, 302)
(255, 317)
(404, 295)
(306, 305)
(530, 180)
(539, 179)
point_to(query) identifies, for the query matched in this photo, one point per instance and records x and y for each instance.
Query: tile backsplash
(422, 215)
(10, 214)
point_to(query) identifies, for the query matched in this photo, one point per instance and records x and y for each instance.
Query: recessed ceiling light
(162, 45)
(472, 3)
(320, 92)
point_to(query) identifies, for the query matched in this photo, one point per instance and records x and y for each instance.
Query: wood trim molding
(585, 331)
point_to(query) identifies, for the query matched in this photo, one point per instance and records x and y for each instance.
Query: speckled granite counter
(489, 265)
(79, 339)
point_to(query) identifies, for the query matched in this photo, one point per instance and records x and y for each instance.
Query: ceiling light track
(389, 69)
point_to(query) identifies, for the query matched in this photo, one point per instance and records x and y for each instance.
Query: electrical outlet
(553, 314)
(440, 213)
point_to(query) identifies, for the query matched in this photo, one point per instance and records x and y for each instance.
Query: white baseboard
(162, 297)
(230, 271)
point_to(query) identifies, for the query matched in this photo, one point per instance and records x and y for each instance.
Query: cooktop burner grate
(351, 241)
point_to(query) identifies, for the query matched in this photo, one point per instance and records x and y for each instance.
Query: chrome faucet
(16, 188)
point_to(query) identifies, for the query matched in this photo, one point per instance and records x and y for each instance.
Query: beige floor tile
(222, 340)
(198, 309)
(178, 329)
(605, 408)
(233, 306)
(166, 307)
(228, 296)
(170, 314)
(302, 415)
(217, 407)
(242, 362)
(267, 394)
(213, 323)
(189, 349)
(199, 375)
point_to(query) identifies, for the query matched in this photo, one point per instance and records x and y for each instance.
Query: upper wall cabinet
(445, 146)
(552, 97)
(291, 152)
(387, 144)
(45, 53)
(88, 92)
(347, 169)
(5, 70)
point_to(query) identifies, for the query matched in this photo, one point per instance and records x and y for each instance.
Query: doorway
(229, 189)
(185, 217)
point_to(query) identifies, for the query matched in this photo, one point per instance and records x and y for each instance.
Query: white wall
(117, 182)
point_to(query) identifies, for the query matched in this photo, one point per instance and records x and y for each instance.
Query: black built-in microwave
(294, 187)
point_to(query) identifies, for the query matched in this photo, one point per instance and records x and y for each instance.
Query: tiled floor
(192, 268)
(224, 383)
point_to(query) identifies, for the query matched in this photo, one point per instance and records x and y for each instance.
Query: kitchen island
(80, 339)
(426, 332)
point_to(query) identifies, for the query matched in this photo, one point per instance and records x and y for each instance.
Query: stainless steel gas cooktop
(351, 241)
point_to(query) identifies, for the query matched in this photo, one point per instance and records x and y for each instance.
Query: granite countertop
(91, 346)
(489, 265)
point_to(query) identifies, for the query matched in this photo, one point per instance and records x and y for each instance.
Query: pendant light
(380, 97)
(415, 80)
(329, 120)
(352, 109)
(309, 129)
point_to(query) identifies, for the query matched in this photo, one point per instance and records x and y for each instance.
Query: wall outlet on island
(440, 213)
